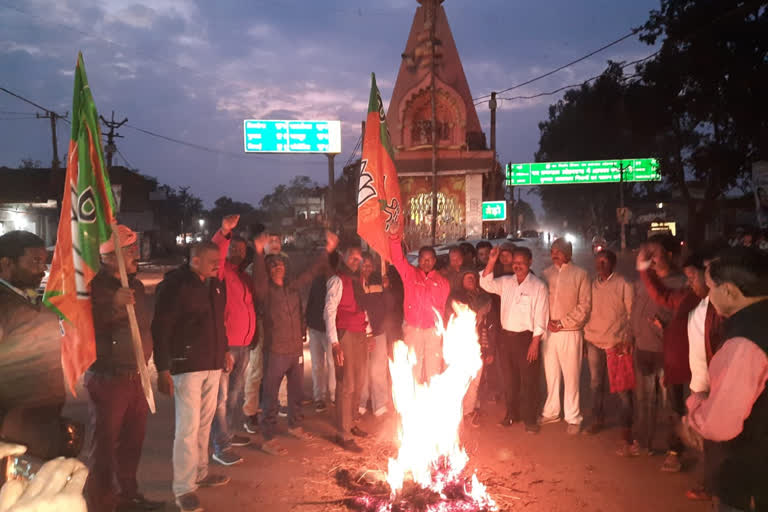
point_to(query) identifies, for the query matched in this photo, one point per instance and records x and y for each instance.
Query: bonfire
(428, 472)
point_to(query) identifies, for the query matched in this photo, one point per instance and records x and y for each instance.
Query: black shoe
(348, 444)
(227, 458)
(320, 406)
(138, 502)
(356, 431)
(593, 429)
(189, 503)
(240, 441)
(251, 424)
(532, 428)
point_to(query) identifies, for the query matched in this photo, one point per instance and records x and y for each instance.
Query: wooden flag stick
(138, 350)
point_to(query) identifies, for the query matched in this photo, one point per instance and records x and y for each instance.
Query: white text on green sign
(494, 210)
(275, 136)
(592, 171)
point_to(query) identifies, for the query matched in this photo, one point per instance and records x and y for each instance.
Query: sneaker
(299, 433)
(532, 428)
(138, 502)
(629, 450)
(240, 441)
(227, 458)
(272, 447)
(357, 431)
(573, 429)
(672, 463)
(381, 411)
(348, 444)
(189, 503)
(320, 406)
(214, 481)
(283, 411)
(251, 424)
(547, 421)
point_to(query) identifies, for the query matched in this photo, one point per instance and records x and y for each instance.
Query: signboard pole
(621, 205)
(330, 207)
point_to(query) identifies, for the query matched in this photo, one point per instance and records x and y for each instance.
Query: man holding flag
(88, 221)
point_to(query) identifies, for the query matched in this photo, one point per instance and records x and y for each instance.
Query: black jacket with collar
(188, 327)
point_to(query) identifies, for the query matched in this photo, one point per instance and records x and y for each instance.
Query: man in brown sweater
(607, 335)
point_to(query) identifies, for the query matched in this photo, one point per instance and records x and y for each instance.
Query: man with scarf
(347, 326)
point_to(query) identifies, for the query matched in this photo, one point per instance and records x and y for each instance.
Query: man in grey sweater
(607, 333)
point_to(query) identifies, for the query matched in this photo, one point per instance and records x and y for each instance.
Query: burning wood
(428, 472)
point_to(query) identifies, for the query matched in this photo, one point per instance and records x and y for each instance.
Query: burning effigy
(428, 473)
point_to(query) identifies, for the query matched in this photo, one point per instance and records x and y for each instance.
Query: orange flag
(379, 206)
(87, 215)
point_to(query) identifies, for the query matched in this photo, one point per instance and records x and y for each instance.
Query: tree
(708, 85)
(596, 121)
(224, 206)
(29, 163)
(280, 202)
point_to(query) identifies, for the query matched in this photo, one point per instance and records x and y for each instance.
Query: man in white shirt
(570, 302)
(524, 315)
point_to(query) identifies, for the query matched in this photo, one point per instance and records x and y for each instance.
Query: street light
(202, 223)
(659, 205)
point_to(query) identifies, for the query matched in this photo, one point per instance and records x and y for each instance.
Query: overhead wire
(571, 63)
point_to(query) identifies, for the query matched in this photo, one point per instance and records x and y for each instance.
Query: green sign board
(270, 136)
(596, 171)
(494, 210)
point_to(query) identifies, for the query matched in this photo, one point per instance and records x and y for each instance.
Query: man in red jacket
(426, 291)
(240, 324)
(677, 369)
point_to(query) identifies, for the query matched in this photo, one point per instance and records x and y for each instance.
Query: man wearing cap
(117, 405)
(570, 303)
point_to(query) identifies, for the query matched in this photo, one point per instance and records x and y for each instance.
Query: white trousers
(562, 353)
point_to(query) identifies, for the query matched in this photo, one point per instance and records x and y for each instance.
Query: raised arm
(404, 268)
(487, 281)
(322, 263)
(222, 238)
(260, 282)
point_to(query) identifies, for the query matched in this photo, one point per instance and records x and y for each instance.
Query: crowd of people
(681, 348)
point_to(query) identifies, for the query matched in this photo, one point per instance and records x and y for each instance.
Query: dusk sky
(193, 70)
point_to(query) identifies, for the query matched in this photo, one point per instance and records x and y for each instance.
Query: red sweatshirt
(424, 293)
(239, 314)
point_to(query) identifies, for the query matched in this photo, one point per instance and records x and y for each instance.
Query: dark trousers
(678, 409)
(599, 385)
(118, 419)
(521, 378)
(277, 366)
(350, 379)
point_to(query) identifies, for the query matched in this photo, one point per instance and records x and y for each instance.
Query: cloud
(136, 16)
(12, 46)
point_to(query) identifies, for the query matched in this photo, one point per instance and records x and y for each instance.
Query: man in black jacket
(117, 405)
(191, 350)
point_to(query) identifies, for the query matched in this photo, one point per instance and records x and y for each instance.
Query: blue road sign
(271, 136)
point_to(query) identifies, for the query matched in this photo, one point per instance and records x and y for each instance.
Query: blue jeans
(195, 404)
(278, 366)
(323, 376)
(375, 384)
(230, 395)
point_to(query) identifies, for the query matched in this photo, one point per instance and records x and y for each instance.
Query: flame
(430, 451)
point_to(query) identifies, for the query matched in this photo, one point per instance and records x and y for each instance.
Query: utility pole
(49, 114)
(433, 5)
(111, 136)
(330, 207)
(54, 140)
(493, 186)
